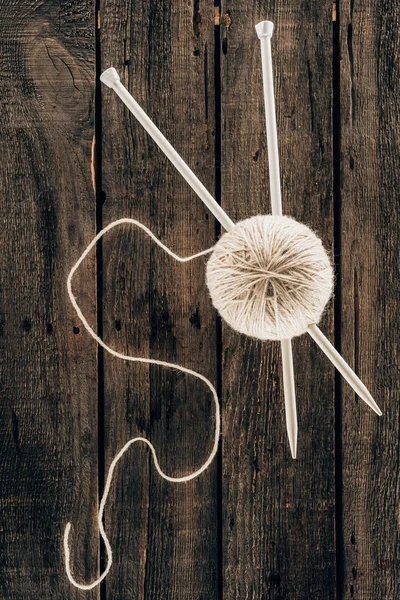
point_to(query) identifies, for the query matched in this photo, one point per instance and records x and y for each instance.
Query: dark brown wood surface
(257, 525)
(370, 230)
(48, 423)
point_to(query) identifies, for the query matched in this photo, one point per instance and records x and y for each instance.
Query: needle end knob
(110, 77)
(264, 29)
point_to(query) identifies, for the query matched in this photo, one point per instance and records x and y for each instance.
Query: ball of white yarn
(270, 277)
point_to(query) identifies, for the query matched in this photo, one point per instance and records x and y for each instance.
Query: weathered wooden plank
(164, 535)
(48, 425)
(278, 514)
(370, 234)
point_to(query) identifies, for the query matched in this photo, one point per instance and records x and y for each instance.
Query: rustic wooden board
(164, 535)
(278, 515)
(257, 524)
(48, 417)
(370, 234)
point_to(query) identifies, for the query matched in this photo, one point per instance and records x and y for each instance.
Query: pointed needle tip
(368, 399)
(292, 437)
(293, 447)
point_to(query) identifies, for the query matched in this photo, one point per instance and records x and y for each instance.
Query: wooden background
(257, 525)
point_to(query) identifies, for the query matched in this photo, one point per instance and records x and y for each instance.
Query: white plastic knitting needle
(343, 367)
(264, 32)
(111, 78)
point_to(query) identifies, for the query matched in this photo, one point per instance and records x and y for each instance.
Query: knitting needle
(338, 361)
(264, 31)
(111, 78)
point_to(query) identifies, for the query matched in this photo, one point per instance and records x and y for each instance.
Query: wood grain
(370, 230)
(257, 525)
(48, 421)
(278, 514)
(164, 535)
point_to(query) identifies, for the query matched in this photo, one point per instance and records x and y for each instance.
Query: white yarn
(270, 277)
(88, 328)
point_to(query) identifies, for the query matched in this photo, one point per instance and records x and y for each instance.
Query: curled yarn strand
(128, 357)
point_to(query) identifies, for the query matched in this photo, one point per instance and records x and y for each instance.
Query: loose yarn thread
(122, 356)
(270, 277)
